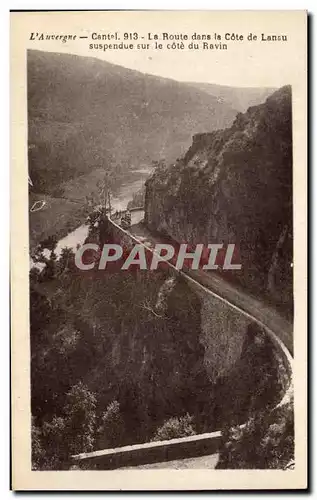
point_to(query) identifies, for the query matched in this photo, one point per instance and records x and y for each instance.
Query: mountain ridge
(83, 110)
(235, 186)
(240, 98)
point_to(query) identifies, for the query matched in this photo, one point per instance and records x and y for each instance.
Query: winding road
(275, 325)
(258, 311)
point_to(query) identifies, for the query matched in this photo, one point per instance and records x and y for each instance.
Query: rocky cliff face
(235, 186)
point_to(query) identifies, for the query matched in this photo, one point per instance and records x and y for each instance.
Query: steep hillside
(85, 113)
(240, 98)
(115, 355)
(235, 186)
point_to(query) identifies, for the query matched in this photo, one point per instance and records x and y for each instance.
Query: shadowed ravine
(217, 295)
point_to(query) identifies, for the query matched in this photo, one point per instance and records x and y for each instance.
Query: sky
(245, 63)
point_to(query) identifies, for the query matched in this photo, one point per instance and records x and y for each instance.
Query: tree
(49, 272)
(175, 427)
(49, 446)
(35, 275)
(105, 187)
(55, 444)
(94, 219)
(112, 429)
(50, 243)
(80, 419)
(62, 436)
(67, 260)
(38, 454)
(266, 441)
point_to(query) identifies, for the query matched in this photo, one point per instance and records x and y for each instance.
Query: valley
(135, 357)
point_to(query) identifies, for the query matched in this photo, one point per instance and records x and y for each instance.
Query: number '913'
(130, 36)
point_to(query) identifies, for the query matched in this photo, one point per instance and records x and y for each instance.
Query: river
(119, 201)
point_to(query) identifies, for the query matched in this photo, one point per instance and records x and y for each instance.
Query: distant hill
(240, 98)
(85, 113)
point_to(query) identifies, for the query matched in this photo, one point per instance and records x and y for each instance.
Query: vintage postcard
(159, 250)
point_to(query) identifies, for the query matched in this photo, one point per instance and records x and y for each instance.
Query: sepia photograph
(160, 219)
